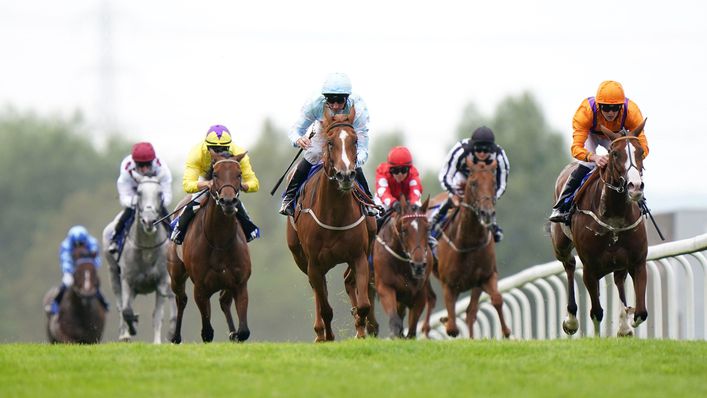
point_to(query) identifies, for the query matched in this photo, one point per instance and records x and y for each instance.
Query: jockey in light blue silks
(77, 235)
(336, 96)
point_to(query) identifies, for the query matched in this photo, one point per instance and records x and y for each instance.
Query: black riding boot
(380, 221)
(287, 208)
(127, 214)
(54, 307)
(436, 228)
(361, 179)
(560, 212)
(184, 219)
(251, 230)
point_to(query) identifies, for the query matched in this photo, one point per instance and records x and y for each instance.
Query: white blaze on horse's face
(414, 225)
(634, 178)
(344, 157)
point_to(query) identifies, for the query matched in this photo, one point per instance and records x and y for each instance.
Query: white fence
(535, 300)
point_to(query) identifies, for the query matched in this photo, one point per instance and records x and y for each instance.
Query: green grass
(368, 368)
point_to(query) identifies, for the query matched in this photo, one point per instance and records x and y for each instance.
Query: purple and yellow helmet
(218, 135)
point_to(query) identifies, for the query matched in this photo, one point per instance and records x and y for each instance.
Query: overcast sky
(166, 70)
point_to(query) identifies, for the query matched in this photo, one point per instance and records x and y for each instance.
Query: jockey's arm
(299, 129)
(65, 260)
(126, 186)
(450, 168)
(193, 170)
(165, 178)
(503, 170)
(249, 179)
(361, 127)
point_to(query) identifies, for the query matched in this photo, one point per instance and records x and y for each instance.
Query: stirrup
(113, 247)
(286, 209)
(177, 236)
(559, 216)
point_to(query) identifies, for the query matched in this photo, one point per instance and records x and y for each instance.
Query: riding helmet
(610, 92)
(143, 152)
(399, 156)
(218, 135)
(337, 83)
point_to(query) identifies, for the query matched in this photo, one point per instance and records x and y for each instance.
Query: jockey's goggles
(483, 148)
(610, 107)
(399, 169)
(219, 148)
(335, 98)
(141, 165)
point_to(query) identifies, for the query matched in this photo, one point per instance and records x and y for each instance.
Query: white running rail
(535, 300)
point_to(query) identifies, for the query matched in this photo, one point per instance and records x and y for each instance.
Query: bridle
(621, 186)
(217, 194)
(329, 128)
(407, 255)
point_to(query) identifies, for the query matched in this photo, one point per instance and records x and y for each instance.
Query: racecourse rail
(535, 300)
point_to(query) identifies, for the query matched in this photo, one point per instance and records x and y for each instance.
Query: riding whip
(646, 210)
(181, 207)
(279, 181)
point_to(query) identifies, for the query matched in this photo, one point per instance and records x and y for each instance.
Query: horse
(81, 317)
(330, 227)
(142, 267)
(467, 253)
(402, 263)
(214, 254)
(606, 231)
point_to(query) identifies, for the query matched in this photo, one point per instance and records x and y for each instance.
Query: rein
(475, 210)
(390, 250)
(621, 188)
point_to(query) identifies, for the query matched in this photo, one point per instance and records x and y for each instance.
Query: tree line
(53, 177)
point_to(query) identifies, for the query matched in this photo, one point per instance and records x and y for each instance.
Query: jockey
(337, 97)
(218, 139)
(395, 178)
(77, 236)
(611, 109)
(482, 145)
(141, 162)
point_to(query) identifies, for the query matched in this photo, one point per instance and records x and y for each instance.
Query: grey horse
(142, 269)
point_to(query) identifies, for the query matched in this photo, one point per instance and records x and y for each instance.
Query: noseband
(621, 187)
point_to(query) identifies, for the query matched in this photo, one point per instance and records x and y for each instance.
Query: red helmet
(143, 152)
(399, 156)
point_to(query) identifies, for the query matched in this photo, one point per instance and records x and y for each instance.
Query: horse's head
(226, 179)
(624, 171)
(149, 202)
(413, 229)
(340, 148)
(480, 189)
(85, 276)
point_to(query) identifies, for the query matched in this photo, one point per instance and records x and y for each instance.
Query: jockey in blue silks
(337, 97)
(77, 235)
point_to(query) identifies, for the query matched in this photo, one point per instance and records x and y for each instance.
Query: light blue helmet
(78, 234)
(337, 83)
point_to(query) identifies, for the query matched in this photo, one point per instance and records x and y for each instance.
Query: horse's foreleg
(418, 305)
(157, 317)
(178, 278)
(450, 300)
(129, 316)
(372, 326)
(362, 300)
(640, 280)
(472, 310)
(570, 325)
(241, 296)
(225, 299)
(201, 298)
(164, 290)
(390, 307)
(323, 311)
(491, 288)
(431, 301)
(591, 282)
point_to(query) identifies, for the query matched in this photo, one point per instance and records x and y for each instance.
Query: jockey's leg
(102, 299)
(54, 306)
(497, 231)
(249, 228)
(119, 228)
(380, 221)
(181, 229)
(165, 221)
(436, 228)
(361, 179)
(560, 212)
(300, 174)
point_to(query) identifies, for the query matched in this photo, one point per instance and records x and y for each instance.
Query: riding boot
(54, 306)
(560, 212)
(382, 219)
(184, 219)
(497, 232)
(436, 229)
(287, 208)
(361, 180)
(249, 228)
(102, 299)
(120, 225)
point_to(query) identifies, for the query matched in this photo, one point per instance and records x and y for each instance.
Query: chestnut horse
(606, 230)
(402, 261)
(81, 317)
(330, 227)
(467, 253)
(214, 254)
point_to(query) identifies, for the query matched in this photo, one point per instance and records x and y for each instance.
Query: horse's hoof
(242, 335)
(124, 339)
(452, 332)
(207, 335)
(624, 334)
(569, 330)
(176, 339)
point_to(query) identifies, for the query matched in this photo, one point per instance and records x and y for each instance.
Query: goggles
(335, 98)
(399, 169)
(610, 107)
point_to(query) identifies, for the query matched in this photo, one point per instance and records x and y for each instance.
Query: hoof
(207, 335)
(569, 330)
(176, 339)
(242, 335)
(452, 332)
(625, 334)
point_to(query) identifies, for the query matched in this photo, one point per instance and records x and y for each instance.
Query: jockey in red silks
(395, 178)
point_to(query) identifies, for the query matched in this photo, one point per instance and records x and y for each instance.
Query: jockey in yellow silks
(218, 139)
(611, 109)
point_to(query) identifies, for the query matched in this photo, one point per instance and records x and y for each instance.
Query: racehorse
(330, 227)
(467, 253)
(606, 230)
(81, 315)
(214, 254)
(142, 267)
(402, 261)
